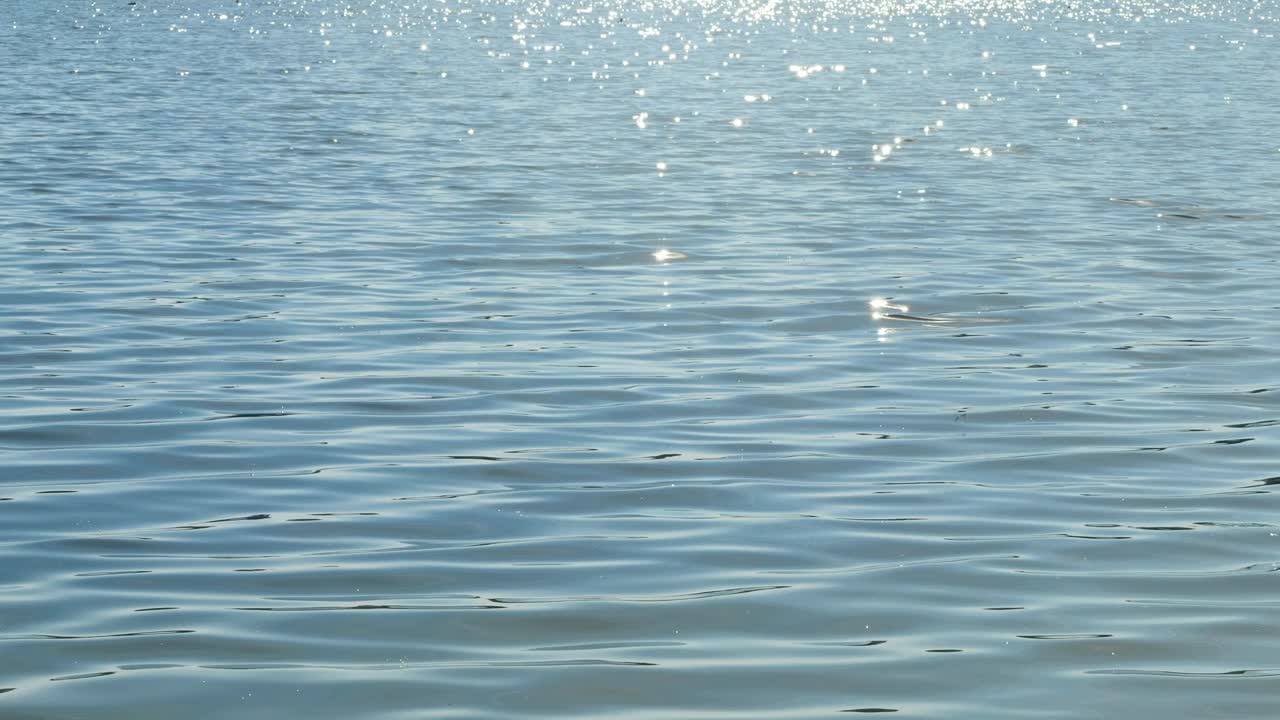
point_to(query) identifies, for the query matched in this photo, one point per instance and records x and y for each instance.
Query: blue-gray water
(339, 376)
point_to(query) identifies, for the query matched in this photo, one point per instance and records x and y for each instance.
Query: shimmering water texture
(663, 361)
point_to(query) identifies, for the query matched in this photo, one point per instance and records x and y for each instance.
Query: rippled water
(344, 375)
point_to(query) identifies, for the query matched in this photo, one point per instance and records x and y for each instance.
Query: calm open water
(339, 376)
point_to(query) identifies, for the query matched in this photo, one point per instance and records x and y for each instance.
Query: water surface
(344, 373)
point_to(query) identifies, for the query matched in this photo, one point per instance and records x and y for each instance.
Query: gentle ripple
(666, 360)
